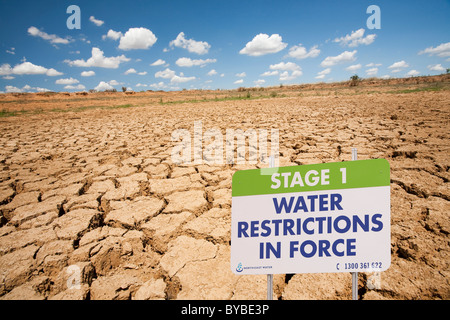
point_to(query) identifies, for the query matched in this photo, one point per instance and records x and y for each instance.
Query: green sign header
(323, 176)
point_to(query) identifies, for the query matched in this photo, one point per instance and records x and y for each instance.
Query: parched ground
(95, 193)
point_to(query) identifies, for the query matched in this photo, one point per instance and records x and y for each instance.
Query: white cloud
(25, 88)
(67, 81)
(413, 73)
(170, 74)
(158, 86)
(345, 56)
(38, 89)
(78, 87)
(212, 72)
(8, 77)
(442, 50)
(143, 73)
(285, 76)
(99, 60)
(114, 35)
(239, 81)
(299, 52)
(295, 70)
(188, 62)
(131, 70)
(165, 74)
(372, 71)
(158, 62)
(137, 38)
(399, 64)
(12, 51)
(10, 89)
(353, 67)
(241, 75)
(141, 85)
(88, 73)
(84, 39)
(396, 70)
(263, 44)
(97, 22)
(5, 69)
(373, 64)
(259, 82)
(35, 32)
(436, 67)
(199, 47)
(269, 73)
(27, 68)
(102, 86)
(180, 79)
(323, 73)
(356, 38)
(285, 66)
(114, 83)
(53, 73)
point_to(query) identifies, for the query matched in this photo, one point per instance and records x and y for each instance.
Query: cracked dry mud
(96, 191)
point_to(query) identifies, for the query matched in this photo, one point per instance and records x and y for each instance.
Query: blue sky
(171, 45)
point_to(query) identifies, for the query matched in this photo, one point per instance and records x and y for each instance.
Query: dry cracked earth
(95, 194)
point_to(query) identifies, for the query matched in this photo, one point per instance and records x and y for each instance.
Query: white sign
(320, 218)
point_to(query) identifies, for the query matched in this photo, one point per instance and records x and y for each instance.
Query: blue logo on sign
(239, 267)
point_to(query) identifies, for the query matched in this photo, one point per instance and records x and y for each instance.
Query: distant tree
(354, 80)
(448, 70)
(124, 89)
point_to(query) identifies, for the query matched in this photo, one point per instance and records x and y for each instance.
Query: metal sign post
(270, 287)
(270, 276)
(354, 274)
